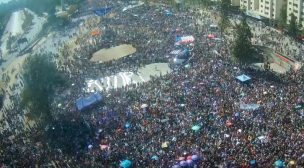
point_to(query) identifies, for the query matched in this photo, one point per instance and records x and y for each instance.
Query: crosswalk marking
(123, 79)
(142, 79)
(108, 83)
(115, 81)
(128, 77)
(96, 82)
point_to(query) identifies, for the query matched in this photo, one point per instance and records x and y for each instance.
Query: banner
(184, 40)
(102, 11)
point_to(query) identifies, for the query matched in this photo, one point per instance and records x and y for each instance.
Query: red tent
(211, 36)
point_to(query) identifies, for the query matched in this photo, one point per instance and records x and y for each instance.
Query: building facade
(271, 9)
(266, 8)
(296, 7)
(235, 2)
(249, 5)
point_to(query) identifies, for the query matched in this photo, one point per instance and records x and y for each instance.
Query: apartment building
(266, 8)
(249, 5)
(271, 9)
(296, 7)
(235, 2)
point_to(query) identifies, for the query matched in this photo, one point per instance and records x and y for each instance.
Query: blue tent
(243, 78)
(168, 13)
(126, 164)
(102, 11)
(185, 54)
(154, 157)
(279, 163)
(86, 102)
(182, 57)
(252, 162)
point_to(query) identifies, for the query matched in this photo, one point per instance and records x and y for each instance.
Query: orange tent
(95, 32)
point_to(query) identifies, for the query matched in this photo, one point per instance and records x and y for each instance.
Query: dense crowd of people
(277, 41)
(151, 123)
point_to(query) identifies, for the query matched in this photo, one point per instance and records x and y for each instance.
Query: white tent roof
(14, 25)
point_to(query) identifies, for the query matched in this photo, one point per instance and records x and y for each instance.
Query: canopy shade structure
(243, 78)
(196, 127)
(87, 102)
(114, 53)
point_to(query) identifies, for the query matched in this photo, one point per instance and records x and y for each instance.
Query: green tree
(224, 15)
(283, 17)
(40, 77)
(243, 49)
(293, 27)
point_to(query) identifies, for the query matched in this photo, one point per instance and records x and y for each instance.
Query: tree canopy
(40, 77)
(224, 13)
(243, 49)
(1, 95)
(293, 27)
(283, 17)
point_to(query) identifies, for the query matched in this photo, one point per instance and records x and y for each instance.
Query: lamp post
(62, 5)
